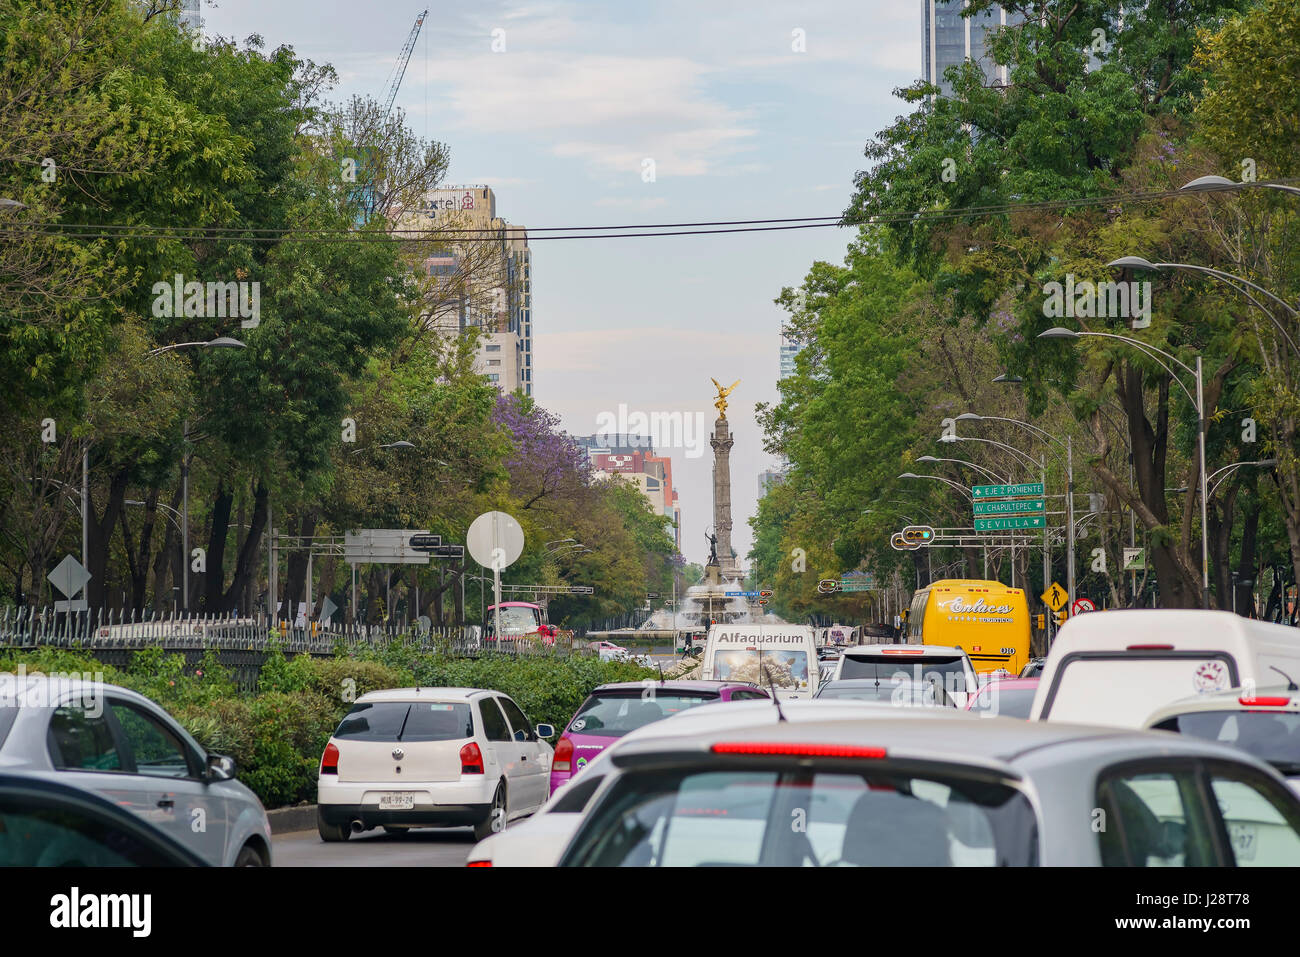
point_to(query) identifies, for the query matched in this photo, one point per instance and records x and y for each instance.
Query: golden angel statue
(721, 404)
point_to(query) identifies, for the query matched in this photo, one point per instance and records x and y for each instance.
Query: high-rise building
(949, 38)
(190, 15)
(789, 349)
(767, 478)
(490, 281)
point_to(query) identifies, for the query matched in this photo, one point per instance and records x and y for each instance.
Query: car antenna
(780, 715)
(1290, 682)
(661, 672)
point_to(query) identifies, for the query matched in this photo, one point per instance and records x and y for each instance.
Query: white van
(782, 655)
(1117, 667)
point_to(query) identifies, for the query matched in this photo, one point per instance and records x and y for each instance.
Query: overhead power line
(451, 235)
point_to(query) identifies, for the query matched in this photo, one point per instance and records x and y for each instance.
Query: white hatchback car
(432, 757)
(122, 746)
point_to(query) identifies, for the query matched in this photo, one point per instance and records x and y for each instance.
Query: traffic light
(765, 594)
(1060, 616)
(1042, 622)
(915, 535)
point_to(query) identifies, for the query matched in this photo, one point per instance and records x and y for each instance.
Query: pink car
(613, 710)
(1005, 697)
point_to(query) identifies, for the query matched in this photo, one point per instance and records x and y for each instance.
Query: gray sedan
(942, 791)
(122, 746)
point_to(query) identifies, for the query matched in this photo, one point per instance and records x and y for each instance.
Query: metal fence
(241, 644)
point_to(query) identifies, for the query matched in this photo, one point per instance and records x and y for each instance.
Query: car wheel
(249, 856)
(331, 832)
(495, 822)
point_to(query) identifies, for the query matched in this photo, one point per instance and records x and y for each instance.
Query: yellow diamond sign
(1055, 597)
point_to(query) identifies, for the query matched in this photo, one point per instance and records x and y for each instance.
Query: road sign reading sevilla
(1020, 506)
(1007, 491)
(1009, 524)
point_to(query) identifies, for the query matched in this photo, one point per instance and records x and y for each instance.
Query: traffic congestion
(545, 434)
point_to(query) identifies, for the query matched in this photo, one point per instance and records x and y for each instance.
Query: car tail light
(478, 863)
(902, 651)
(797, 750)
(1150, 648)
(471, 759)
(562, 759)
(329, 762)
(1265, 702)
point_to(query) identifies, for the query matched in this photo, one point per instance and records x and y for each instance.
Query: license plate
(1244, 840)
(396, 802)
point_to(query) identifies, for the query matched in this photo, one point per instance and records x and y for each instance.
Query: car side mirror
(545, 731)
(220, 768)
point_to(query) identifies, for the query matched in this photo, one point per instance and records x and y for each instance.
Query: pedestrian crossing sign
(1055, 597)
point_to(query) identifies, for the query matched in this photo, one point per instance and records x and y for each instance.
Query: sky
(561, 119)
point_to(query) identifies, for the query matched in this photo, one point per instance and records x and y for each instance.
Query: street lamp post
(221, 342)
(1198, 402)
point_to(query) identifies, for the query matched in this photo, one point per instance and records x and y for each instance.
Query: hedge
(276, 734)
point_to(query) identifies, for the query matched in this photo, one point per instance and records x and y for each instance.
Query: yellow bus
(986, 619)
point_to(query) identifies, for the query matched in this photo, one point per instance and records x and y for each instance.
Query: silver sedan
(936, 792)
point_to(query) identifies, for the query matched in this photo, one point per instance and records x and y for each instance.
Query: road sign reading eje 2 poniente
(1007, 491)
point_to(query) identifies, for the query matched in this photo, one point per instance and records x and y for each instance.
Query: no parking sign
(1081, 605)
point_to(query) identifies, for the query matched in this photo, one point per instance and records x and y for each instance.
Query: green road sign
(856, 586)
(1015, 506)
(1007, 491)
(1009, 524)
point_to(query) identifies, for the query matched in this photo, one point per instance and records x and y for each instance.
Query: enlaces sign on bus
(986, 619)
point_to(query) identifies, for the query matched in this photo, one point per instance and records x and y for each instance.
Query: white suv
(432, 757)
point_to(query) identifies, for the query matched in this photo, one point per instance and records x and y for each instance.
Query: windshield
(949, 670)
(872, 818)
(614, 715)
(781, 669)
(515, 620)
(1272, 737)
(407, 721)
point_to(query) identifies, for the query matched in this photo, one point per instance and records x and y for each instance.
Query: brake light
(1265, 702)
(562, 759)
(471, 759)
(329, 762)
(1150, 648)
(478, 863)
(797, 750)
(902, 651)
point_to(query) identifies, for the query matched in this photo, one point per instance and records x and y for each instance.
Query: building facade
(948, 38)
(488, 277)
(632, 458)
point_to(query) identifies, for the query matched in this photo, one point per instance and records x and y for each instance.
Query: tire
(330, 833)
(249, 856)
(494, 823)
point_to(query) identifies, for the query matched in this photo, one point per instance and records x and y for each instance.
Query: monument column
(722, 441)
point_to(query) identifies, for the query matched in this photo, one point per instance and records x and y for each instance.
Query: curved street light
(979, 468)
(1216, 184)
(938, 478)
(1260, 463)
(221, 342)
(1198, 403)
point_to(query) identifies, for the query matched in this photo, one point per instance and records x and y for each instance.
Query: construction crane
(403, 58)
(367, 192)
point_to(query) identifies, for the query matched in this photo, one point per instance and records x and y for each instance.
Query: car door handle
(166, 802)
(523, 757)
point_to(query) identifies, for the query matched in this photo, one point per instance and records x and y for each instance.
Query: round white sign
(1083, 604)
(495, 540)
